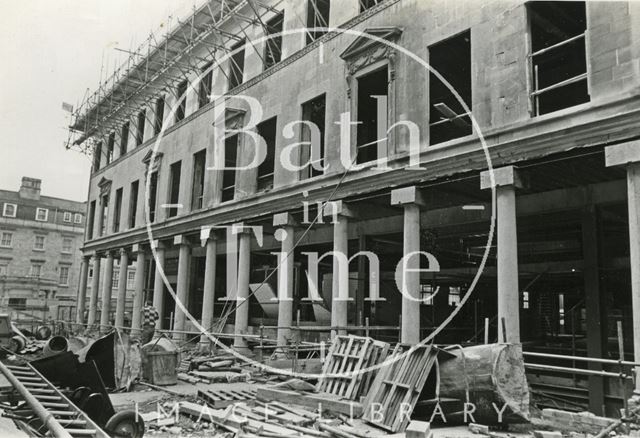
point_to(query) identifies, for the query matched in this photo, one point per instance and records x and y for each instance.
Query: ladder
(57, 414)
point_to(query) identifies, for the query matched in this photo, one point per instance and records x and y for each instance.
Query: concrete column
(182, 289)
(122, 288)
(242, 296)
(411, 200)
(158, 283)
(82, 290)
(136, 319)
(209, 293)
(106, 292)
(628, 154)
(340, 215)
(95, 286)
(505, 181)
(286, 235)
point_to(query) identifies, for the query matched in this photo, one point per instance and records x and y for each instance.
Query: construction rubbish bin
(160, 367)
(160, 362)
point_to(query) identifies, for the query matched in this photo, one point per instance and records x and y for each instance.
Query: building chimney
(30, 188)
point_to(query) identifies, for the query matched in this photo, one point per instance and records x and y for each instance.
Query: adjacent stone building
(521, 187)
(40, 242)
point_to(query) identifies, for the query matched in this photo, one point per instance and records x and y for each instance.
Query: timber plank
(326, 402)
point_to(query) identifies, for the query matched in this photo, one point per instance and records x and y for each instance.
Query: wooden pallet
(378, 354)
(347, 356)
(223, 398)
(185, 366)
(397, 386)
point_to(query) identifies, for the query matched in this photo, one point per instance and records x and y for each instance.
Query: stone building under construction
(526, 193)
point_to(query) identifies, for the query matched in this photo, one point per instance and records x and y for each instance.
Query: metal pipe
(581, 358)
(45, 416)
(573, 370)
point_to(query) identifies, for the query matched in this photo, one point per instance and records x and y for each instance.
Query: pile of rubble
(366, 388)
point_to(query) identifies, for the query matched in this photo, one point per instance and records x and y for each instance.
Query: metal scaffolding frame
(158, 64)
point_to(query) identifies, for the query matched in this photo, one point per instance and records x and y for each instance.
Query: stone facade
(39, 252)
(561, 259)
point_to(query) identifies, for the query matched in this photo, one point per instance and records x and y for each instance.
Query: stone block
(418, 429)
(406, 195)
(502, 176)
(621, 154)
(547, 434)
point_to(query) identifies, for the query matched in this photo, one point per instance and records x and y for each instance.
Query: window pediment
(105, 186)
(364, 51)
(146, 160)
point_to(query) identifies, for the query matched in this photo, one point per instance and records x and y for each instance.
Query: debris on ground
(367, 388)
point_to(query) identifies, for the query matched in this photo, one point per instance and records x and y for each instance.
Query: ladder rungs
(47, 397)
(74, 422)
(24, 373)
(54, 405)
(18, 368)
(65, 413)
(35, 385)
(37, 391)
(25, 379)
(81, 431)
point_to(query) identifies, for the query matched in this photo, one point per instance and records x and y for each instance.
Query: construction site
(354, 218)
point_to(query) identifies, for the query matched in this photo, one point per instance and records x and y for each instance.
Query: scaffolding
(160, 63)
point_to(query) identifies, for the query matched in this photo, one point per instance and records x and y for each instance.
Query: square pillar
(340, 214)
(628, 155)
(107, 286)
(122, 289)
(95, 287)
(82, 290)
(286, 235)
(182, 288)
(411, 200)
(209, 293)
(505, 181)
(242, 297)
(136, 318)
(158, 283)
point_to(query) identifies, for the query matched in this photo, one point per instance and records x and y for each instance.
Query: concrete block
(407, 195)
(339, 208)
(547, 434)
(283, 219)
(481, 429)
(502, 176)
(418, 429)
(621, 154)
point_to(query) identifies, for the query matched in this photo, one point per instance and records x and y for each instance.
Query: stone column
(182, 289)
(286, 235)
(340, 215)
(138, 300)
(100, 218)
(106, 292)
(158, 283)
(209, 293)
(242, 305)
(505, 181)
(95, 287)
(411, 200)
(82, 290)
(122, 288)
(628, 155)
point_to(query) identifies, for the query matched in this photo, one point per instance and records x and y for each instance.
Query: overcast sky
(51, 52)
